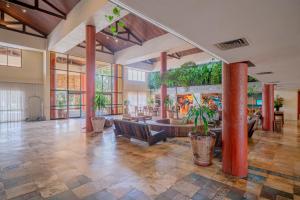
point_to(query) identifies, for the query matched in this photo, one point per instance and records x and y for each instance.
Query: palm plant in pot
(202, 139)
(98, 121)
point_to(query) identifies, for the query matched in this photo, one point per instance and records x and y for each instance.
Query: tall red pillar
(115, 94)
(268, 107)
(234, 131)
(163, 88)
(90, 75)
(52, 85)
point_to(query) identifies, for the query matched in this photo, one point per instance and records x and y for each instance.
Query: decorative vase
(202, 147)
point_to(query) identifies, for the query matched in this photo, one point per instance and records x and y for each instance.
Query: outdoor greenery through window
(10, 57)
(136, 75)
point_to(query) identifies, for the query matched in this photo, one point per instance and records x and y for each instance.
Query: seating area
(149, 100)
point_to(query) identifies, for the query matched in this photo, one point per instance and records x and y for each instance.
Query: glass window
(3, 55)
(136, 75)
(61, 61)
(14, 57)
(74, 81)
(10, 57)
(61, 80)
(77, 64)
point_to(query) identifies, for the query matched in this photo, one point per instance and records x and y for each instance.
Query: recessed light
(107, 37)
(116, 40)
(7, 5)
(24, 11)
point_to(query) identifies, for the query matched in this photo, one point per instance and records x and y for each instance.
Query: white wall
(290, 105)
(30, 72)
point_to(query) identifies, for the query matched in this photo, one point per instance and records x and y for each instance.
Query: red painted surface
(90, 75)
(115, 94)
(268, 107)
(234, 115)
(52, 84)
(298, 105)
(163, 88)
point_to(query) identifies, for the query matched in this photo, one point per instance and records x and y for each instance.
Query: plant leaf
(121, 24)
(116, 11)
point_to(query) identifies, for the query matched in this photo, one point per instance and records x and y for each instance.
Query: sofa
(138, 130)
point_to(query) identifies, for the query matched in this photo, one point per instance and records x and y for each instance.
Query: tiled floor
(55, 160)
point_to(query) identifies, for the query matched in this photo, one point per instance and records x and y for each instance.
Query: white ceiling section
(70, 32)
(272, 27)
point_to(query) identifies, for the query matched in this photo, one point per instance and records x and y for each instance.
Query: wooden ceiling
(176, 55)
(36, 19)
(139, 31)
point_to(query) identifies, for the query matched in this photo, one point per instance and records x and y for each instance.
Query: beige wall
(290, 104)
(30, 72)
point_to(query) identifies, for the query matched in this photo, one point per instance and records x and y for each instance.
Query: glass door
(75, 104)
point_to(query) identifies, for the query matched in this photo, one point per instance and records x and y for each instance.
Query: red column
(115, 94)
(163, 88)
(90, 75)
(234, 131)
(52, 84)
(268, 107)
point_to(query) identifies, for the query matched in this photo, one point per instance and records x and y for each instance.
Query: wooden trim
(36, 6)
(20, 22)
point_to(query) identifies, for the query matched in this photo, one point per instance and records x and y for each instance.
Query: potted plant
(98, 122)
(278, 102)
(202, 139)
(60, 104)
(126, 104)
(169, 103)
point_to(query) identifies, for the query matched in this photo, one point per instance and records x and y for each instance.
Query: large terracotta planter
(202, 147)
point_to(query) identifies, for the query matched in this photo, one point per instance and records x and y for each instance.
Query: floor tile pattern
(55, 160)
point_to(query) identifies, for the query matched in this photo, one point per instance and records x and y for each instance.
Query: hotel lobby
(130, 100)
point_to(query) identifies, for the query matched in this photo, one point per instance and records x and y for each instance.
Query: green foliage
(278, 102)
(200, 113)
(99, 101)
(126, 102)
(150, 101)
(168, 102)
(116, 13)
(154, 80)
(190, 74)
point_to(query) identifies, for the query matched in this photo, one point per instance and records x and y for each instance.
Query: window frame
(21, 57)
(136, 75)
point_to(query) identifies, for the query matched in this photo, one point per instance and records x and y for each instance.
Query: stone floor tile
(67, 195)
(102, 195)
(20, 190)
(186, 188)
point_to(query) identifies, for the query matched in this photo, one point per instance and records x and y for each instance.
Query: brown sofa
(172, 130)
(139, 131)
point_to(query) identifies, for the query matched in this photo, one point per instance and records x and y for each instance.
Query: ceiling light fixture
(7, 5)
(107, 37)
(24, 11)
(116, 40)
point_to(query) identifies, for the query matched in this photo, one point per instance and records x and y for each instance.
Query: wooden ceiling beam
(126, 31)
(102, 50)
(5, 25)
(36, 6)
